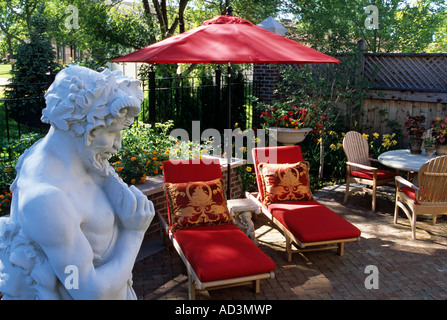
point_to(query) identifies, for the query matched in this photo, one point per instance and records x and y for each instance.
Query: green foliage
(144, 148)
(8, 159)
(107, 29)
(29, 80)
(334, 157)
(337, 25)
(330, 87)
(254, 11)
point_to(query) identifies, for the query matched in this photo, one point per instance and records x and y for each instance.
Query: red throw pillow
(285, 182)
(198, 203)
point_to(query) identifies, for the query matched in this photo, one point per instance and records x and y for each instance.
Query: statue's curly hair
(81, 99)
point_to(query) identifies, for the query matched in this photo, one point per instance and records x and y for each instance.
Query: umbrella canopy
(225, 39)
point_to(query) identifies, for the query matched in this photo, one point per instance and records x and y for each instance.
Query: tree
(162, 10)
(15, 16)
(34, 60)
(337, 25)
(106, 29)
(440, 39)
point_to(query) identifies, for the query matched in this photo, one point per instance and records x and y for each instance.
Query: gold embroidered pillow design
(197, 203)
(285, 182)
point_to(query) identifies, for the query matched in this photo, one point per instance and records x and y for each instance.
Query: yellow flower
(376, 135)
(248, 169)
(366, 136)
(333, 147)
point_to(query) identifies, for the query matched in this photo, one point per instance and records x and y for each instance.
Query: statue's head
(81, 99)
(84, 102)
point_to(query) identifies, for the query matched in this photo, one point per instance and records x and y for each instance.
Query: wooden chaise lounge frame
(290, 238)
(194, 283)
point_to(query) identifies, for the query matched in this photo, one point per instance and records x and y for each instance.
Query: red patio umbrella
(227, 40)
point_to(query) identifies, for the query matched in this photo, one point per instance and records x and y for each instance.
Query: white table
(403, 159)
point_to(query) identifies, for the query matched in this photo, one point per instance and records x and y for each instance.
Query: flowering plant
(413, 126)
(144, 148)
(439, 130)
(285, 115)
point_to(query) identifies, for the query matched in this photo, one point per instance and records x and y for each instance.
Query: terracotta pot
(416, 145)
(441, 150)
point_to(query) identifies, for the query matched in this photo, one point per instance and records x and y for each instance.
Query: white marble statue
(75, 227)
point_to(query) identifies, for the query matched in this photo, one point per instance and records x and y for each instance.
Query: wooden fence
(403, 85)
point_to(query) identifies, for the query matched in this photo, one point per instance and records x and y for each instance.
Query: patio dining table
(403, 159)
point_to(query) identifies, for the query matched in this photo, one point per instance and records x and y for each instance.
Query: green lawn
(5, 71)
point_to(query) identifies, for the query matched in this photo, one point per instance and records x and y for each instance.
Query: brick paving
(408, 269)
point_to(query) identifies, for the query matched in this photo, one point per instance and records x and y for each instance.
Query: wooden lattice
(415, 72)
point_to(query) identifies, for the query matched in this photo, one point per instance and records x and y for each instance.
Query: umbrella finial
(229, 11)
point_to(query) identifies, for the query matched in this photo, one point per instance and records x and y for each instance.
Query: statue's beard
(97, 161)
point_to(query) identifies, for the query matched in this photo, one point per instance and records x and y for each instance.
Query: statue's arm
(54, 224)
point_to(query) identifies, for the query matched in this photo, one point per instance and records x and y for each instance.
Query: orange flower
(119, 169)
(132, 181)
(155, 171)
(133, 158)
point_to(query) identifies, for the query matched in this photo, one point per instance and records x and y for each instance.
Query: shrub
(144, 148)
(29, 80)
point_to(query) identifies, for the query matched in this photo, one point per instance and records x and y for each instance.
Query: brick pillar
(265, 79)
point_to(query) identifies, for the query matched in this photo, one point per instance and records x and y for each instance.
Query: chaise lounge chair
(284, 197)
(215, 251)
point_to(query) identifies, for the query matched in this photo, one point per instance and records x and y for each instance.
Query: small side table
(241, 211)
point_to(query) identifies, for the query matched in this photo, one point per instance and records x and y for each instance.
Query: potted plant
(289, 123)
(439, 133)
(429, 146)
(414, 129)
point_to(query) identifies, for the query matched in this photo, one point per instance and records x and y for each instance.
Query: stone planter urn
(290, 136)
(441, 150)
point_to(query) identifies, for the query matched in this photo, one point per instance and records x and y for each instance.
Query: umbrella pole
(230, 138)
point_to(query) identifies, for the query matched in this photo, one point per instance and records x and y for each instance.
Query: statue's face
(103, 142)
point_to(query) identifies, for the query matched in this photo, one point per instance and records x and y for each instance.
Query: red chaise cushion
(218, 252)
(368, 174)
(311, 221)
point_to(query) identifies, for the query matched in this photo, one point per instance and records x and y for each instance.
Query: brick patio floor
(408, 269)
